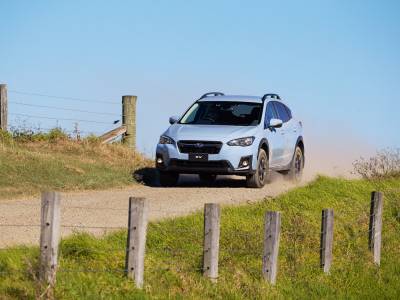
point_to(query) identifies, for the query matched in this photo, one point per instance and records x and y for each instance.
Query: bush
(385, 164)
(5, 137)
(57, 134)
(30, 135)
(92, 139)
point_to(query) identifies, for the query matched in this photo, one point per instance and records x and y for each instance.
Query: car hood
(221, 133)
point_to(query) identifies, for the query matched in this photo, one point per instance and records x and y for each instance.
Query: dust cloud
(333, 153)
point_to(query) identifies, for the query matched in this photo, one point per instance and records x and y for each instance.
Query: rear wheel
(207, 178)
(168, 178)
(261, 176)
(296, 169)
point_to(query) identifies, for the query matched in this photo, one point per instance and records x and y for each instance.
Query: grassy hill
(31, 162)
(174, 253)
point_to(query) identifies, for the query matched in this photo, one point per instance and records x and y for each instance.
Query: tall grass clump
(385, 164)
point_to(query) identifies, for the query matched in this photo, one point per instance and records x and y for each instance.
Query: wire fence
(301, 243)
(63, 97)
(37, 112)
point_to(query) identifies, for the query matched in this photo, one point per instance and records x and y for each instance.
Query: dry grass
(36, 162)
(384, 164)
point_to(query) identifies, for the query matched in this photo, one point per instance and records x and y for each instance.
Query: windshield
(223, 113)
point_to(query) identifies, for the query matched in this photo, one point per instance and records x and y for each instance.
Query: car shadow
(150, 177)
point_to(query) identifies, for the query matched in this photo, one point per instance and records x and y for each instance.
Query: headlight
(166, 140)
(246, 141)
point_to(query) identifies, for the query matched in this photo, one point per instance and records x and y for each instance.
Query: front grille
(211, 164)
(208, 147)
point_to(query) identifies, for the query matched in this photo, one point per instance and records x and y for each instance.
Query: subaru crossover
(232, 135)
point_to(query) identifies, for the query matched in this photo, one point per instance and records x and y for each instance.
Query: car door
(292, 134)
(275, 136)
(288, 131)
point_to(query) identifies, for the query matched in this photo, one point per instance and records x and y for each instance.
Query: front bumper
(226, 162)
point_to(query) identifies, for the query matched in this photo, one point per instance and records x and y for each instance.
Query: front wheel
(168, 178)
(296, 169)
(261, 176)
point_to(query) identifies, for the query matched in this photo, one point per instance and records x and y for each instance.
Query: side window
(289, 112)
(270, 113)
(282, 112)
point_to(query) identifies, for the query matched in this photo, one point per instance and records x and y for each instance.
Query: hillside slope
(31, 163)
(174, 253)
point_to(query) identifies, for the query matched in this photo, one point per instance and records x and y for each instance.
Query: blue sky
(336, 63)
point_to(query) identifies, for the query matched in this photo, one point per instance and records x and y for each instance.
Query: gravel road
(330, 156)
(109, 208)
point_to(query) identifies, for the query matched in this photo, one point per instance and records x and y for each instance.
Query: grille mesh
(209, 147)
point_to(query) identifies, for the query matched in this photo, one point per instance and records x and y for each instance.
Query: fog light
(159, 160)
(245, 162)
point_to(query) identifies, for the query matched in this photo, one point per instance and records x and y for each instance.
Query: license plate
(198, 156)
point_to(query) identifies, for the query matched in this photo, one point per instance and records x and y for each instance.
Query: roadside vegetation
(32, 161)
(174, 253)
(386, 163)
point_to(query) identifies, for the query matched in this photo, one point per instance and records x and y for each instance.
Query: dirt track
(109, 208)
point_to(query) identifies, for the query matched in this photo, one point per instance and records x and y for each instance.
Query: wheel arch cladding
(265, 146)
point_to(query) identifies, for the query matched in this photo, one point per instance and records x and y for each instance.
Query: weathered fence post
(49, 236)
(212, 214)
(375, 226)
(326, 239)
(129, 120)
(271, 245)
(3, 107)
(136, 243)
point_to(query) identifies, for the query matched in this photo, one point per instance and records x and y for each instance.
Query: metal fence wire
(29, 108)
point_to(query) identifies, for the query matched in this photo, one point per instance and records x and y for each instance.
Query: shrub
(5, 137)
(57, 134)
(29, 135)
(385, 164)
(92, 139)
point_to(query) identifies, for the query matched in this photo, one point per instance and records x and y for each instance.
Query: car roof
(238, 98)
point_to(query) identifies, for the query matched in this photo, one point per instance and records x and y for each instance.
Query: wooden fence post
(3, 107)
(49, 236)
(326, 239)
(271, 245)
(375, 226)
(212, 215)
(129, 120)
(136, 243)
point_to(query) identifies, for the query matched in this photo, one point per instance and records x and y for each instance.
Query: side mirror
(173, 119)
(275, 123)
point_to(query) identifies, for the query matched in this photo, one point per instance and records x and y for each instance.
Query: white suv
(239, 135)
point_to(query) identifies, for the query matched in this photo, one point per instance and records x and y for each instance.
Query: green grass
(174, 253)
(31, 163)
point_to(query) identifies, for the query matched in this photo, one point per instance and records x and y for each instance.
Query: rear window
(289, 112)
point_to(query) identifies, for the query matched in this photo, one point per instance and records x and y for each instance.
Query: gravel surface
(109, 208)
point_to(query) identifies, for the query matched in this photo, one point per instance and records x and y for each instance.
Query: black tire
(207, 178)
(296, 168)
(168, 178)
(261, 176)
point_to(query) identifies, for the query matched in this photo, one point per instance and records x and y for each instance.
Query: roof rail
(212, 94)
(276, 96)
